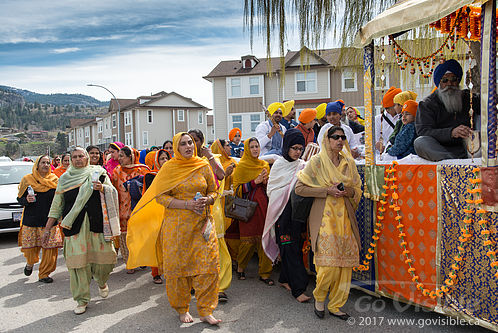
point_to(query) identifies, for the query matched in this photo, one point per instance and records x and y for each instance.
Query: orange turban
(232, 133)
(307, 115)
(388, 99)
(410, 106)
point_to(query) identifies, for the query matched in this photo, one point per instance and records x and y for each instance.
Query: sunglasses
(449, 79)
(297, 148)
(337, 136)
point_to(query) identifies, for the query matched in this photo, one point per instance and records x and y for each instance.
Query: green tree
(62, 141)
(12, 149)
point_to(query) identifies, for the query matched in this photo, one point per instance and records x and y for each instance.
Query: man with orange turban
(236, 146)
(385, 122)
(403, 143)
(307, 120)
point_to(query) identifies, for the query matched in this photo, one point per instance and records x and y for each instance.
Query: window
(255, 120)
(80, 132)
(181, 115)
(235, 87)
(149, 117)
(254, 85)
(127, 118)
(237, 121)
(145, 138)
(114, 120)
(99, 141)
(349, 80)
(306, 82)
(99, 127)
(87, 132)
(201, 117)
(114, 138)
(128, 139)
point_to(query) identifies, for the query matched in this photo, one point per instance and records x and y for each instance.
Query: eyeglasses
(337, 136)
(297, 148)
(452, 79)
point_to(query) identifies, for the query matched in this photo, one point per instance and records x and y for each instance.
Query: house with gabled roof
(311, 77)
(145, 121)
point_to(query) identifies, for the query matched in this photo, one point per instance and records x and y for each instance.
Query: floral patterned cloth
(30, 237)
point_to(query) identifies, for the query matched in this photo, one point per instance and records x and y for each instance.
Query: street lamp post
(119, 108)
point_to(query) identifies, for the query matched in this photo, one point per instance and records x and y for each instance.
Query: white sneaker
(80, 309)
(104, 292)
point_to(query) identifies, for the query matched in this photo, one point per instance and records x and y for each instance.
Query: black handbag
(239, 208)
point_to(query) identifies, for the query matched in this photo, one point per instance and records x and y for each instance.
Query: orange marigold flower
(482, 222)
(469, 201)
(386, 179)
(370, 250)
(433, 295)
(457, 258)
(365, 262)
(448, 282)
(377, 231)
(444, 289)
(420, 286)
(395, 163)
(399, 226)
(468, 221)
(494, 264)
(488, 242)
(395, 196)
(380, 217)
(401, 234)
(394, 187)
(384, 194)
(385, 187)
(484, 232)
(478, 201)
(426, 292)
(378, 224)
(394, 179)
(408, 261)
(452, 275)
(383, 202)
(382, 209)
(439, 293)
(462, 239)
(403, 243)
(368, 256)
(397, 208)
(411, 269)
(375, 237)
(455, 267)
(461, 249)
(481, 211)
(474, 170)
(467, 211)
(373, 244)
(415, 278)
(405, 252)
(491, 253)
(496, 275)
(399, 217)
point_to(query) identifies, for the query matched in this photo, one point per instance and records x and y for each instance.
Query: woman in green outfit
(87, 203)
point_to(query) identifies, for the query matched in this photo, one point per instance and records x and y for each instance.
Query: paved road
(135, 304)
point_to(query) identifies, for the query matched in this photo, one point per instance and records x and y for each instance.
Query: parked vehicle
(11, 174)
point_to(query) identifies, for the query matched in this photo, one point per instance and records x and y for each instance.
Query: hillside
(53, 99)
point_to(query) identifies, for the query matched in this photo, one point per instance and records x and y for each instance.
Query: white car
(11, 174)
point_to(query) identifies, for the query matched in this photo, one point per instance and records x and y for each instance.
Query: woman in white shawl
(282, 235)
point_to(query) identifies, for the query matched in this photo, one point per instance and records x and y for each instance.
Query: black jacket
(433, 120)
(35, 214)
(93, 208)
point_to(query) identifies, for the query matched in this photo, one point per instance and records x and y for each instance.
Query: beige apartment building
(142, 122)
(311, 78)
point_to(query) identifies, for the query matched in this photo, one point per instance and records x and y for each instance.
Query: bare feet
(130, 271)
(303, 298)
(210, 320)
(186, 318)
(286, 286)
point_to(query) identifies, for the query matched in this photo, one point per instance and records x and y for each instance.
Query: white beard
(451, 97)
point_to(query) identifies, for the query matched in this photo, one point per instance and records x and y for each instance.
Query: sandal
(222, 297)
(268, 282)
(157, 279)
(241, 275)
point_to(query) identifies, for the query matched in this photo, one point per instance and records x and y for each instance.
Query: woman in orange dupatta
(170, 228)
(154, 160)
(127, 169)
(59, 171)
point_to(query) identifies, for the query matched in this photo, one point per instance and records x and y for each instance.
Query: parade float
(429, 229)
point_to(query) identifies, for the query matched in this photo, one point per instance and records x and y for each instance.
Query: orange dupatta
(146, 219)
(37, 182)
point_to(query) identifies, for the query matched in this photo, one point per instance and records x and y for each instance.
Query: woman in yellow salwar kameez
(168, 227)
(332, 223)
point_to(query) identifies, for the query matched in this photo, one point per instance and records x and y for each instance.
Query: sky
(133, 48)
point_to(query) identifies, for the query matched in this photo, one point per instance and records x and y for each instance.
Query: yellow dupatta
(249, 167)
(37, 182)
(146, 219)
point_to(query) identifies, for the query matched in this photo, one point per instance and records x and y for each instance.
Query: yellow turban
(275, 106)
(320, 110)
(404, 96)
(288, 107)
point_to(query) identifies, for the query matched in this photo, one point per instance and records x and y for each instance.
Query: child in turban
(403, 143)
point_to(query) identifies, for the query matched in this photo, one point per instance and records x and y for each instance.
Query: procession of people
(194, 212)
